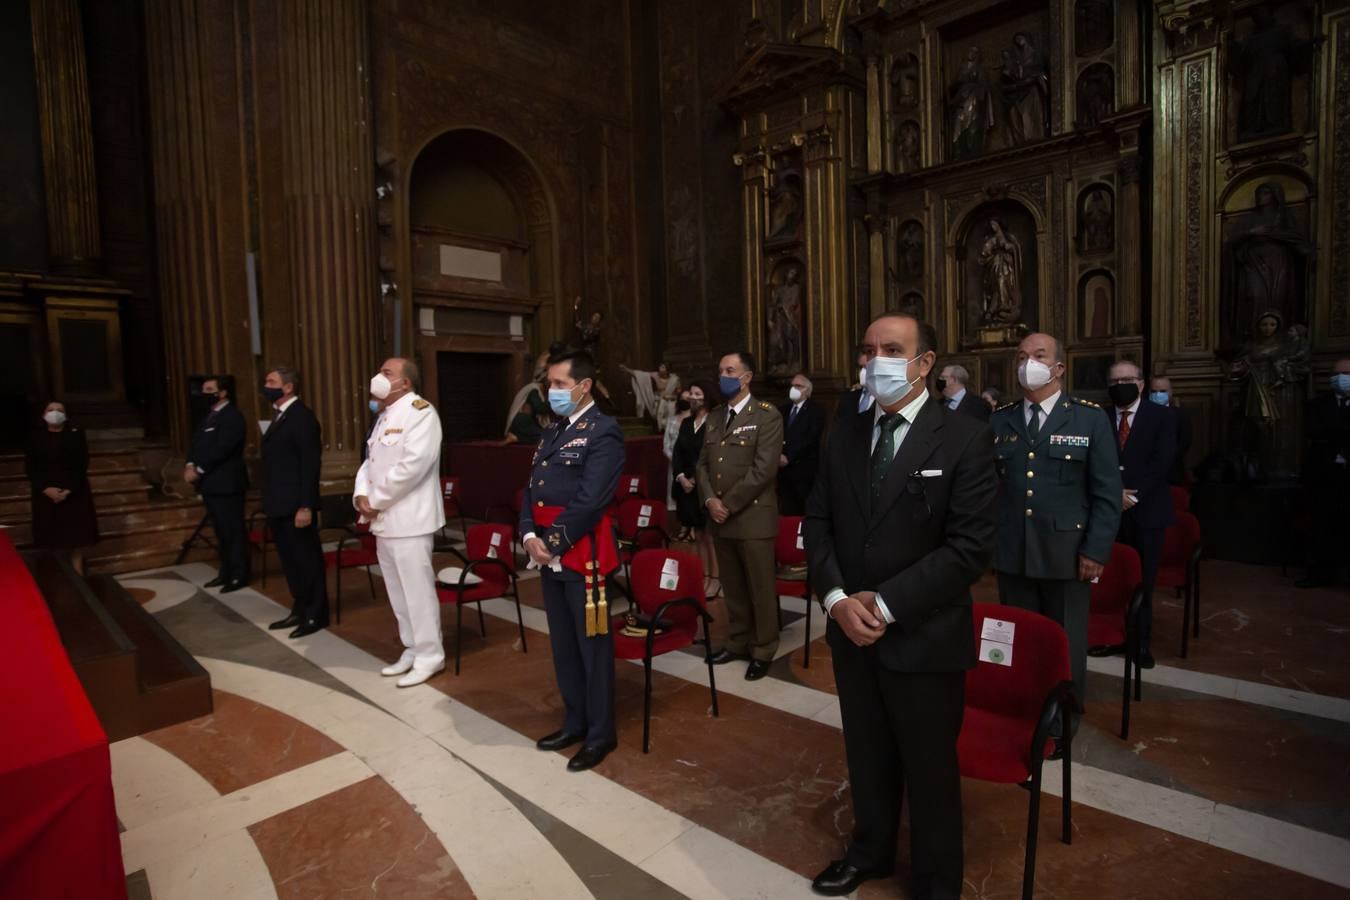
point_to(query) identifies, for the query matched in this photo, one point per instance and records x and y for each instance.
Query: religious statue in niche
(1096, 219)
(1001, 261)
(1262, 65)
(1095, 306)
(1268, 259)
(1025, 84)
(1096, 95)
(785, 209)
(910, 251)
(785, 319)
(1094, 26)
(905, 82)
(907, 146)
(1272, 371)
(912, 304)
(972, 108)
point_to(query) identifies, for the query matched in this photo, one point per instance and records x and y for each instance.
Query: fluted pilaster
(67, 136)
(330, 212)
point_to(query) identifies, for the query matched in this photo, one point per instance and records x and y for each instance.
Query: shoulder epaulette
(1008, 405)
(763, 405)
(1081, 402)
(419, 403)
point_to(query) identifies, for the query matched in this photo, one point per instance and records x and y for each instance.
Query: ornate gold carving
(1031, 190)
(1339, 313)
(1194, 141)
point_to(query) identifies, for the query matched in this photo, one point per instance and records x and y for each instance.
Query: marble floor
(316, 777)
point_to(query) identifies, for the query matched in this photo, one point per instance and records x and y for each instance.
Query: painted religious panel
(998, 85)
(784, 318)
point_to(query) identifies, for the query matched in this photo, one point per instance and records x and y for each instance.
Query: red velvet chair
(450, 494)
(495, 514)
(494, 564)
(630, 486)
(355, 550)
(1005, 736)
(259, 536)
(1113, 618)
(1181, 498)
(1179, 568)
(641, 525)
(789, 551)
(680, 606)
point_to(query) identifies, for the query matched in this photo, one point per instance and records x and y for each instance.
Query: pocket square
(931, 473)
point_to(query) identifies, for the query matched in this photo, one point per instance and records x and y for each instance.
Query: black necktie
(884, 451)
(731, 416)
(1034, 426)
(792, 416)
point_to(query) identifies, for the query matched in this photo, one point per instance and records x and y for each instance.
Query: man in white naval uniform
(398, 491)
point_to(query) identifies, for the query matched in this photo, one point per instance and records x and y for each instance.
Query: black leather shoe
(234, 586)
(1146, 660)
(840, 878)
(309, 626)
(215, 582)
(590, 756)
(757, 669)
(289, 622)
(724, 656)
(558, 740)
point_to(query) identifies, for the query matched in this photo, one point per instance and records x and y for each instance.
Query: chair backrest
(1181, 498)
(790, 547)
(1039, 663)
(1122, 574)
(1180, 540)
(654, 581)
(520, 500)
(336, 511)
(450, 492)
(630, 486)
(491, 540)
(636, 513)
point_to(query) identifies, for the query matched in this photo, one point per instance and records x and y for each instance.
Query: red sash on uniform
(592, 556)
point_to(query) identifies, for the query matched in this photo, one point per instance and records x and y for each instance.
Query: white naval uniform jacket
(401, 474)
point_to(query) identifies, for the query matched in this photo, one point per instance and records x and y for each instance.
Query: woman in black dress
(57, 468)
(684, 465)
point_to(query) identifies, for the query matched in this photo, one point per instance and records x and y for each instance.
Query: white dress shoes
(405, 662)
(417, 676)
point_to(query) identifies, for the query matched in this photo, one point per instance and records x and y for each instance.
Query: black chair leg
(1125, 698)
(1138, 682)
(482, 620)
(1186, 625)
(712, 677)
(337, 592)
(806, 648)
(1066, 728)
(520, 619)
(1033, 820)
(647, 705)
(459, 631)
(1195, 601)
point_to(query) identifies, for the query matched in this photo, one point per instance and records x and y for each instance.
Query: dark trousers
(1066, 602)
(900, 731)
(750, 586)
(1328, 500)
(227, 521)
(1148, 542)
(793, 490)
(583, 666)
(302, 561)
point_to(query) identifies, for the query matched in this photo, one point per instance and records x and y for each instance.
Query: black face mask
(1123, 395)
(941, 384)
(273, 394)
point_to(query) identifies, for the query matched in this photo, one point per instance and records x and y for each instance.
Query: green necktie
(884, 451)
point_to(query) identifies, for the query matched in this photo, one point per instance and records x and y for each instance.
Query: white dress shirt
(908, 413)
(1131, 410)
(955, 400)
(1047, 406)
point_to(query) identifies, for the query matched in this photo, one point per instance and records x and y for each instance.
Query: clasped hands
(718, 510)
(56, 494)
(538, 552)
(859, 617)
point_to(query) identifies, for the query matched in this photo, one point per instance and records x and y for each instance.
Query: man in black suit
(1146, 437)
(857, 400)
(1326, 477)
(216, 467)
(291, 450)
(953, 384)
(803, 426)
(1160, 392)
(899, 526)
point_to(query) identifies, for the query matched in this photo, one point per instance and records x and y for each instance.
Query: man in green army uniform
(1060, 497)
(737, 474)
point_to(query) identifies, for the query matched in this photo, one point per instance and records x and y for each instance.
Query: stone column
(329, 211)
(200, 200)
(67, 136)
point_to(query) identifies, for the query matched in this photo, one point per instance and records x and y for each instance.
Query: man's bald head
(403, 375)
(1038, 345)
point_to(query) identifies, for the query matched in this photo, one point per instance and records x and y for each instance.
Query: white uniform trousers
(410, 579)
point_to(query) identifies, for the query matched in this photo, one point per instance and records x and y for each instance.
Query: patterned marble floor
(316, 777)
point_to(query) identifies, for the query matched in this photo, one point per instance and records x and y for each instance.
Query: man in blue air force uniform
(575, 472)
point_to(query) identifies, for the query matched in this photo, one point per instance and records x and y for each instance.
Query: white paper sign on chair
(996, 642)
(670, 574)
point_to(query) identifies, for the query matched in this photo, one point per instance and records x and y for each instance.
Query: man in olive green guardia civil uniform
(737, 474)
(1060, 497)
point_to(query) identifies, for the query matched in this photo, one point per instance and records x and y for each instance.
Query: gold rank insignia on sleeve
(1008, 405)
(419, 403)
(1082, 402)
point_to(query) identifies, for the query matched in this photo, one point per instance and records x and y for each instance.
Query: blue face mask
(561, 402)
(1340, 383)
(1159, 397)
(730, 385)
(374, 406)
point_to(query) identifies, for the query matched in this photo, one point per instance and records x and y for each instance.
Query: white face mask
(862, 376)
(380, 386)
(795, 394)
(1033, 374)
(54, 417)
(887, 378)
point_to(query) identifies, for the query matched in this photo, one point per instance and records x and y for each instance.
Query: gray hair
(288, 375)
(802, 376)
(413, 374)
(959, 374)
